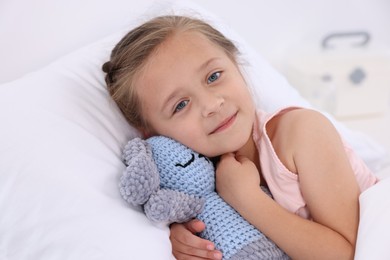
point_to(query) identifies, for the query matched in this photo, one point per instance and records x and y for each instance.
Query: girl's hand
(236, 178)
(186, 245)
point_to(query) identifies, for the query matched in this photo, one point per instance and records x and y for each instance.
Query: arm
(307, 144)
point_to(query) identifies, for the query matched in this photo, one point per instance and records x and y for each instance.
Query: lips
(225, 124)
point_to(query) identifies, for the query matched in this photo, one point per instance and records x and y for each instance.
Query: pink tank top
(283, 183)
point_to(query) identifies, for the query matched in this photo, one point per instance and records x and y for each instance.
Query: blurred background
(274, 27)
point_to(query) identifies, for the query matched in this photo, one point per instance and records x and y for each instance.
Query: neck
(249, 150)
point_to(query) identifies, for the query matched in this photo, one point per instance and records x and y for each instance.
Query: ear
(140, 178)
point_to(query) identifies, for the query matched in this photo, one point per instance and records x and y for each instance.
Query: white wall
(35, 32)
(273, 26)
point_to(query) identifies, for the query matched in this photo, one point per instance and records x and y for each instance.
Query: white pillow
(61, 142)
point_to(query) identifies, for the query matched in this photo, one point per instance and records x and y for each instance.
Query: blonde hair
(131, 53)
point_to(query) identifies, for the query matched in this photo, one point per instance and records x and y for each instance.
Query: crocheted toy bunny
(176, 184)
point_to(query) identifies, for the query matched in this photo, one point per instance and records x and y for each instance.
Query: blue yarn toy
(175, 184)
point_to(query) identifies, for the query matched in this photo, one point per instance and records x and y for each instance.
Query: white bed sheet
(374, 229)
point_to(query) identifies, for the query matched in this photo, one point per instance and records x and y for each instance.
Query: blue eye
(181, 105)
(213, 77)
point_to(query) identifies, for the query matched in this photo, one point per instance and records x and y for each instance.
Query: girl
(179, 77)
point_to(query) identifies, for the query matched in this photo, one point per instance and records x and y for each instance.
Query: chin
(237, 145)
(245, 140)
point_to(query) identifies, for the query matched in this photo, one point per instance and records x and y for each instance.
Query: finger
(227, 159)
(195, 226)
(185, 244)
(183, 251)
(184, 238)
(227, 156)
(241, 158)
(216, 255)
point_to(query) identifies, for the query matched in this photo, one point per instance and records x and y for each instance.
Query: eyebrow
(167, 100)
(207, 63)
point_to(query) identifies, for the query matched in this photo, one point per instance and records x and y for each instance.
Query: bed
(61, 136)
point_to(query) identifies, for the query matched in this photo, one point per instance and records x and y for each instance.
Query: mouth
(225, 124)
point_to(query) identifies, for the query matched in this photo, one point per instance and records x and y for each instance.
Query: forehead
(180, 51)
(185, 44)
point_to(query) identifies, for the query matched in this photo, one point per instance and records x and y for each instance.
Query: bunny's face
(181, 168)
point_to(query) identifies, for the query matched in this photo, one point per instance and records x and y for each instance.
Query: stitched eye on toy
(187, 163)
(202, 156)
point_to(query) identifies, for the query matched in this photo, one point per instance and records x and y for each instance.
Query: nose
(211, 103)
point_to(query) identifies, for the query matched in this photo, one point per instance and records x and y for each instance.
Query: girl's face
(191, 91)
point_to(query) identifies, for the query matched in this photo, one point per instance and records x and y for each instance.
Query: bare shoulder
(294, 123)
(296, 129)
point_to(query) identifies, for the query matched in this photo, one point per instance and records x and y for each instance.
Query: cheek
(249, 100)
(244, 95)
(191, 134)
(176, 129)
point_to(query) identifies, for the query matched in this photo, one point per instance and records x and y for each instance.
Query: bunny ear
(140, 178)
(134, 147)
